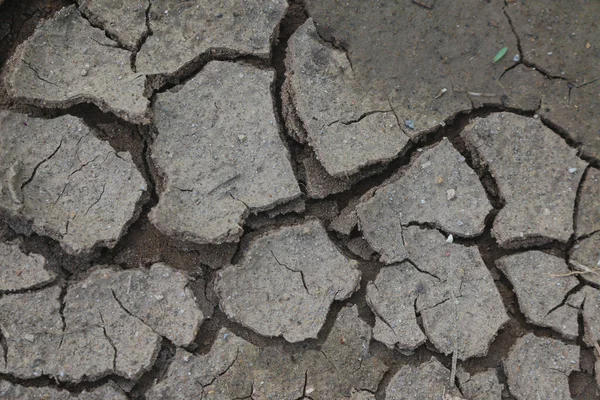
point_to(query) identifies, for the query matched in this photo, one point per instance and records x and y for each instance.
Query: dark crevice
(292, 270)
(561, 132)
(149, 378)
(423, 271)
(361, 117)
(143, 39)
(578, 201)
(38, 165)
(109, 340)
(566, 298)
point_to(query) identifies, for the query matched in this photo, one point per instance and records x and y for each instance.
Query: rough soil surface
(58, 179)
(438, 189)
(67, 61)
(299, 199)
(286, 282)
(219, 153)
(537, 177)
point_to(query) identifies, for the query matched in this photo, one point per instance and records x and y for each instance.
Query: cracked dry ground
(261, 199)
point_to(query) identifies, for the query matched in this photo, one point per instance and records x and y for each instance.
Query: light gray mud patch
(537, 175)
(451, 289)
(348, 127)
(20, 271)
(67, 61)
(428, 381)
(410, 54)
(123, 20)
(585, 258)
(59, 180)
(539, 368)
(439, 188)
(220, 154)
(481, 386)
(235, 368)
(111, 324)
(286, 282)
(11, 391)
(542, 284)
(182, 32)
(588, 211)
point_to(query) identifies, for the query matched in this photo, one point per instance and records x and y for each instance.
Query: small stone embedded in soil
(541, 290)
(235, 368)
(45, 70)
(212, 181)
(63, 182)
(13, 391)
(481, 386)
(286, 282)
(588, 212)
(20, 271)
(182, 33)
(428, 381)
(112, 324)
(125, 21)
(420, 195)
(348, 127)
(585, 257)
(539, 368)
(449, 286)
(530, 165)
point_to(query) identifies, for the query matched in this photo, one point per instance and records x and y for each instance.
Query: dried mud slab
(427, 381)
(543, 288)
(20, 271)
(184, 32)
(411, 54)
(591, 317)
(111, 323)
(439, 188)
(12, 391)
(540, 26)
(481, 386)
(449, 286)
(125, 21)
(585, 257)
(235, 368)
(67, 61)
(537, 175)
(57, 179)
(220, 154)
(348, 127)
(539, 368)
(587, 220)
(286, 282)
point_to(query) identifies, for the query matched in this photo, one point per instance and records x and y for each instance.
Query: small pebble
(450, 194)
(409, 123)
(84, 72)
(516, 58)
(572, 170)
(450, 239)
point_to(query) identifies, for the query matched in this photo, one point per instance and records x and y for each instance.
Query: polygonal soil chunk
(220, 154)
(428, 381)
(348, 127)
(537, 175)
(539, 368)
(586, 258)
(573, 56)
(481, 386)
(184, 32)
(31, 326)
(123, 20)
(343, 362)
(286, 282)
(21, 271)
(430, 62)
(59, 178)
(67, 61)
(439, 188)
(591, 317)
(451, 288)
(542, 283)
(111, 320)
(235, 368)
(588, 212)
(13, 391)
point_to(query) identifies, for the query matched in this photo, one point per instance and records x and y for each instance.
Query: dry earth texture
(300, 199)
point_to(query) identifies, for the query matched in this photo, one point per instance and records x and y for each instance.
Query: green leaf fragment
(500, 54)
